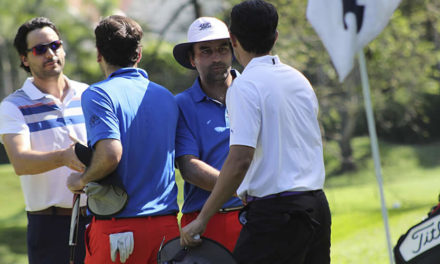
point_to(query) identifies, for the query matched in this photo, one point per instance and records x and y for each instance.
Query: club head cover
(208, 252)
(105, 199)
(83, 153)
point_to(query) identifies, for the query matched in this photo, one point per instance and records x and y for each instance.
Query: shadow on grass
(405, 209)
(13, 238)
(13, 233)
(428, 155)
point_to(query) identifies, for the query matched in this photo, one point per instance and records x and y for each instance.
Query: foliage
(163, 68)
(74, 24)
(403, 65)
(404, 71)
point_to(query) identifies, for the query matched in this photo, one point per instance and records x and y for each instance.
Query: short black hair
(20, 41)
(118, 39)
(254, 23)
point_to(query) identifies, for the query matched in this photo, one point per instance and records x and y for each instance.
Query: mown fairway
(411, 182)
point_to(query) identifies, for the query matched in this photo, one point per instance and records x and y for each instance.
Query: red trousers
(148, 233)
(222, 227)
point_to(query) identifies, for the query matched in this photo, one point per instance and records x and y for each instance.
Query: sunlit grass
(411, 178)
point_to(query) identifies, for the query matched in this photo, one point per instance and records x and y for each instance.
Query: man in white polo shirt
(275, 158)
(35, 124)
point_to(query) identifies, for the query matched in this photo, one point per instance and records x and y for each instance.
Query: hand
(122, 243)
(74, 183)
(190, 234)
(71, 160)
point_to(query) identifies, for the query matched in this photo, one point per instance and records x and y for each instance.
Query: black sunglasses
(41, 49)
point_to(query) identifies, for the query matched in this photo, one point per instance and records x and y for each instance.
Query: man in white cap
(275, 161)
(202, 140)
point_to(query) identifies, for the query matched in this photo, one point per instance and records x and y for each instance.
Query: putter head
(209, 252)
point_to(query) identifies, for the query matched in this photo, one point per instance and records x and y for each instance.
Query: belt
(111, 217)
(230, 209)
(53, 210)
(221, 210)
(250, 198)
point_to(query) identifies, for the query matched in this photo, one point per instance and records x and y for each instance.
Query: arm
(230, 178)
(27, 161)
(105, 159)
(197, 172)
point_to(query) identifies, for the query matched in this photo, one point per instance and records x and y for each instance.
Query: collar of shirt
(266, 59)
(198, 95)
(36, 94)
(130, 72)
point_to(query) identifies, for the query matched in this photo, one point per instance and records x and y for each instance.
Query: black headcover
(209, 252)
(84, 154)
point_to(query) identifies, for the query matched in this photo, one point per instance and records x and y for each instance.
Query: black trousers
(292, 229)
(48, 239)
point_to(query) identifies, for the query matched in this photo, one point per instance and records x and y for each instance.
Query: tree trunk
(197, 9)
(349, 112)
(5, 70)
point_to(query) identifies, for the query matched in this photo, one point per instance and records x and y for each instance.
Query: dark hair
(254, 23)
(20, 41)
(118, 39)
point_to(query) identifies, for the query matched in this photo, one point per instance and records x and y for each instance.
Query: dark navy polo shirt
(202, 131)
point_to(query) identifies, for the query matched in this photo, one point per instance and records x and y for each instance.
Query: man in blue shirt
(202, 141)
(131, 124)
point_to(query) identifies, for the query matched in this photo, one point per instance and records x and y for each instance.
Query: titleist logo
(421, 238)
(204, 26)
(426, 235)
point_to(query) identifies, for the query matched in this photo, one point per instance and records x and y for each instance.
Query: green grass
(411, 185)
(12, 218)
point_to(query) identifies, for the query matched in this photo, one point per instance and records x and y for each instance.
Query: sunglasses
(41, 49)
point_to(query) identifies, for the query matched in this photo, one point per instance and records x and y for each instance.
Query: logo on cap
(205, 26)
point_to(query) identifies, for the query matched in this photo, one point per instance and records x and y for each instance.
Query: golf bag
(421, 243)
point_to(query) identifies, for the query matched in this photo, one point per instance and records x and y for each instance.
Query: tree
(75, 29)
(299, 46)
(404, 71)
(403, 65)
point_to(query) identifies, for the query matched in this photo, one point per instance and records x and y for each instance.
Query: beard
(52, 67)
(217, 72)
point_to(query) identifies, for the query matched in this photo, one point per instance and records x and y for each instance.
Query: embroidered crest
(94, 120)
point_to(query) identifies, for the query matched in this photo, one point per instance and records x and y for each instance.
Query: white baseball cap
(202, 29)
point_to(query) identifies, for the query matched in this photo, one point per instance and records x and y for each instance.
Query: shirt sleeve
(100, 117)
(11, 120)
(186, 143)
(243, 105)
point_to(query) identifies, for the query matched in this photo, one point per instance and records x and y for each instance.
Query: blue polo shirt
(143, 116)
(202, 131)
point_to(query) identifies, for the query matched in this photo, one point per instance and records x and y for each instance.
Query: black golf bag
(421, 243)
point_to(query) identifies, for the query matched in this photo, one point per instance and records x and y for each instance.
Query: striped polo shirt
(47, 122)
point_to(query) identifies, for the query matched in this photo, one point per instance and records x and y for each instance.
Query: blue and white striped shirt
(47, 122)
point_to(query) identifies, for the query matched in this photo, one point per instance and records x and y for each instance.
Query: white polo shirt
(272, 107)
(47, 122)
